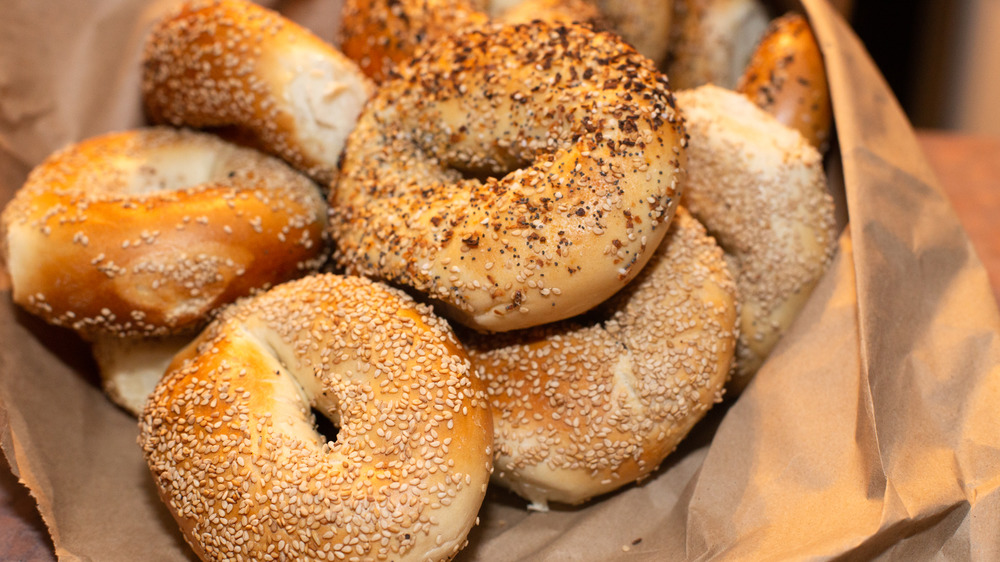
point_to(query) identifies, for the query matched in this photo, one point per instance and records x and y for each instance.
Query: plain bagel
(229, 436)
(142, 233)
(238, 67)
(517, 193)
(586, 406)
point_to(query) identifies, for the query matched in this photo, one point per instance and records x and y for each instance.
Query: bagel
(758, 187)
(711, 41)
(513, 194)
(381, 34)
(229, 438)
(141, 233)
(238, 67)
(786, 78)
(586, 406)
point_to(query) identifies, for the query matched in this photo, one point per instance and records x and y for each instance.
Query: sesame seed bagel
(759, 188)
(143, 232)
(588, 405)
(786, 78)
(513, 194)
(229, 435)
(234, 65)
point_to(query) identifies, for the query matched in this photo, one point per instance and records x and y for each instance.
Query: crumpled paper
(870, 433)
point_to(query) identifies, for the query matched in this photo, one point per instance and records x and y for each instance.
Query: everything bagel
(516, 174)
(229, 438)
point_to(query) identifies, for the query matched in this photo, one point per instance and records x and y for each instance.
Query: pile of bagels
(491, 243)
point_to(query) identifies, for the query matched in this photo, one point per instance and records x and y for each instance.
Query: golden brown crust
(233, 65)
(589, 405)
(786, 78)
(759, 188)
(143, 232)
(580, 149)
(229, 438)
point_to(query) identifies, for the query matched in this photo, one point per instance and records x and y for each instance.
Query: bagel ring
(586, 406)
(141, 233)
(229, 438)
(758, 186)
(513, 194)
(244, 69)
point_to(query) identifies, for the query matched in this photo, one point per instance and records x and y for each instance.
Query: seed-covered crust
(517, 174)
(588, 405)
(786, 78)
(143, 232)
(759, 188)
(229, 435)
(231, 64)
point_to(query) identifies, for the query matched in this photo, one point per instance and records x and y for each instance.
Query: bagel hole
(482, 175)
(324, 426)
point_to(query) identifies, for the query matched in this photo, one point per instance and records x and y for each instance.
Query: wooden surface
(967, 166)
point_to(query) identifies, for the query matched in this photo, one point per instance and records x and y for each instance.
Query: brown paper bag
(870, 433)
